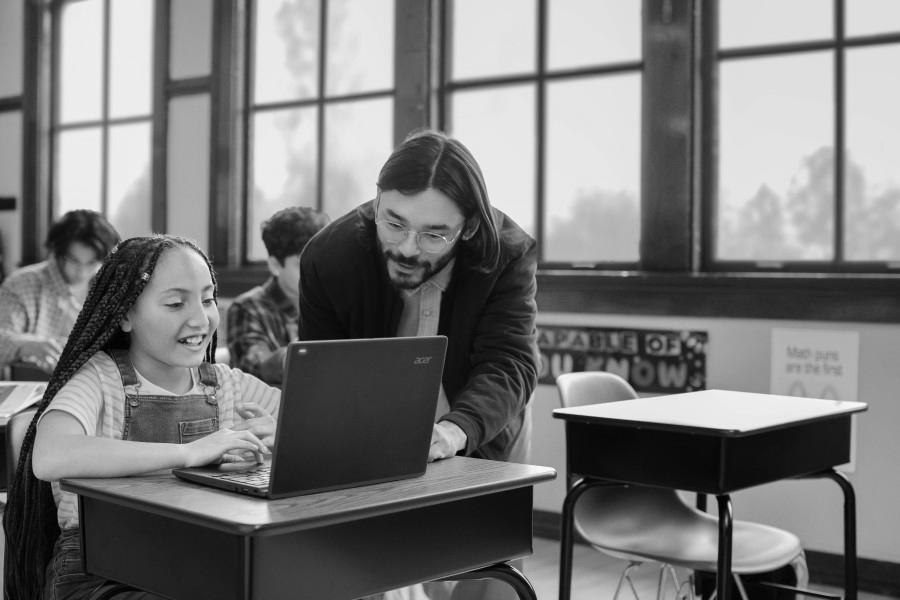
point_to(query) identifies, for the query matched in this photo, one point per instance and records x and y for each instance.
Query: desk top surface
(446, 480)
(720, 412)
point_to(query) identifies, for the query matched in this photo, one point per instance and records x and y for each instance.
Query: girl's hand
(225, 445)
(257, 421)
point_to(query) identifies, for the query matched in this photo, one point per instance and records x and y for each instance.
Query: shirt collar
(439, 280)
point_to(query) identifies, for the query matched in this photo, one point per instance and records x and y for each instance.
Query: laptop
(353, 412)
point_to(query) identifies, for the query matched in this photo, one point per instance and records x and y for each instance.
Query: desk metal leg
(503, 572)
(850, 559)
(567, 535)
(723, 566)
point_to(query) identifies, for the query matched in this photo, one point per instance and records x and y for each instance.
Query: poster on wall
(651, 360)
(817, 363)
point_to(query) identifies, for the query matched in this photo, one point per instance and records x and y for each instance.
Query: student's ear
(125, 324)
(471, 230)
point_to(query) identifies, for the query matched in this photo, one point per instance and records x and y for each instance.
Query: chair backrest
(592, 387)
(16, 428)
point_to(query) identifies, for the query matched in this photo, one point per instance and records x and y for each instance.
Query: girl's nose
(198, 316)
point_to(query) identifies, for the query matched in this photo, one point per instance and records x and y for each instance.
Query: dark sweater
(489, 319)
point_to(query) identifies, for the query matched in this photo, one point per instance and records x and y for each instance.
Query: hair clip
(145, 276)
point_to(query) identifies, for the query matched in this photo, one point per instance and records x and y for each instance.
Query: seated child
(135, 391)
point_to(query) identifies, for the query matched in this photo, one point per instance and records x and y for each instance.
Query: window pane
(286, 51)
(128, 194)
(865, 17)
(756, 22)
(872, 181)
(592, 207)
(130, 58)
(492, 125)
(11, 155)
(77, 181)
(81, 61)
(191, 42)
(776, 169)
(358, 139)
(586, 32)
(11, 29)
(493, 38)
(283, 169)
(187, 204)
(360, 55)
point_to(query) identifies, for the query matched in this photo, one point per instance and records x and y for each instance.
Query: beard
(415, 271)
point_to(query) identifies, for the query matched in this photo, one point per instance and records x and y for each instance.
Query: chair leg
(740, 586)
(626, 576)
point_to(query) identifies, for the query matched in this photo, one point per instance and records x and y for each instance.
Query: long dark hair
(432, 159)
(30, 520)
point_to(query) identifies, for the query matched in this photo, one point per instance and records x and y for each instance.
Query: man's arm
(504, 356)
(318, 319)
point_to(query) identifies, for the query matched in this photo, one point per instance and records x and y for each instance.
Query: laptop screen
(355, 412)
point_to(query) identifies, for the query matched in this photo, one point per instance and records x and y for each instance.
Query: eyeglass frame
(448, 243)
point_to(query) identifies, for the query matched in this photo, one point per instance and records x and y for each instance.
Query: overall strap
(208, 375)
(126, 370)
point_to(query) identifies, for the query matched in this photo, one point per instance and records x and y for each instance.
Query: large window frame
(678, 137)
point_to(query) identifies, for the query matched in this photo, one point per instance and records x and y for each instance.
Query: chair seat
(639, 523)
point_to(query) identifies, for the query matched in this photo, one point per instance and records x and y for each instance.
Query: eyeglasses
(393, 232)
(429, 242)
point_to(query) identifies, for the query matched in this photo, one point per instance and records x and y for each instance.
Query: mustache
(406, 261)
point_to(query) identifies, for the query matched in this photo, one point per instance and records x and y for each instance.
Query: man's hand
(446, 440)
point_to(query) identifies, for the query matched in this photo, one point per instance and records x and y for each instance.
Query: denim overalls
(148, 418)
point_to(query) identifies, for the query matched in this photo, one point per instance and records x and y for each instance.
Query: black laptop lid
(355, 412)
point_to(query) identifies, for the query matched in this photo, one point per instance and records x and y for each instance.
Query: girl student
(135, 391)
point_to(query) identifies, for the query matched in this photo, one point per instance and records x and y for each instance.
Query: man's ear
(125, 324)
(470, 231)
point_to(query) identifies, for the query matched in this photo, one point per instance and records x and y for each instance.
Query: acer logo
(422, 360)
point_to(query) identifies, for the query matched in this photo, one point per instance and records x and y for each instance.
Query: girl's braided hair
(30, 520)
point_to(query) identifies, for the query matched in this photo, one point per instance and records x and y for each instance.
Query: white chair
(16, 428)
(648, 524)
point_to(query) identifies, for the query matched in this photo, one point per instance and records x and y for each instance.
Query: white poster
(817, 363)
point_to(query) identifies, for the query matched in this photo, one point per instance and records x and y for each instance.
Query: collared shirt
(35, 300)
(421, 313)
(260, 324)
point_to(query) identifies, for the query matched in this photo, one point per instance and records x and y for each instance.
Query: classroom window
(808, 131)
(547, 96)
(321, 111)
(102, 111)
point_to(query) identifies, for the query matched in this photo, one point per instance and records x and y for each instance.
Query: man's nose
(410, 244)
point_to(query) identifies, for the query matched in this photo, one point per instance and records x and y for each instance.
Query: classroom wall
(738, 358)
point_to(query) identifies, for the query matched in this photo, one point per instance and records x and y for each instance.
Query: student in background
(429, 255)
(262, 321)
(145, 337)
(39, 303)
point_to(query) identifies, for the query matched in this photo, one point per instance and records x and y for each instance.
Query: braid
(30, 519)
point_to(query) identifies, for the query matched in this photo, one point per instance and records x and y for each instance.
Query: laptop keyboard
(256, 477)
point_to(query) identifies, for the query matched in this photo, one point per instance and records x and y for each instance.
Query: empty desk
(714, 442)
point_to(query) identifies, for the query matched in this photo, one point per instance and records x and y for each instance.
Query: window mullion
(667, 114)
(839, 133)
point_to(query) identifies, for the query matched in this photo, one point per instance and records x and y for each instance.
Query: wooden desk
(187, 541)
(714, 442)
